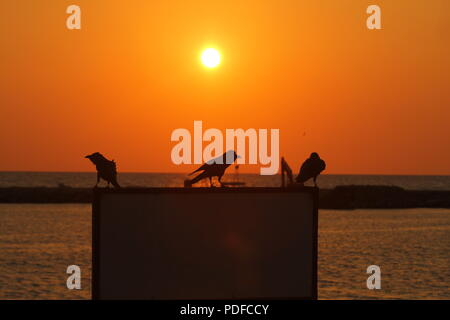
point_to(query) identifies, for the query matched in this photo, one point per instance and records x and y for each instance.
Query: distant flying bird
(213, 169)
(311, 168)
(106, 169)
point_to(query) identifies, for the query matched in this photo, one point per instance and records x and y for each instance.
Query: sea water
(412, 247)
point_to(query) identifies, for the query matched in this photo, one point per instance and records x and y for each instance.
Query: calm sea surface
(412, 246)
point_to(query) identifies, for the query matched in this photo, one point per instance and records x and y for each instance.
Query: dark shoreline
(341, 197)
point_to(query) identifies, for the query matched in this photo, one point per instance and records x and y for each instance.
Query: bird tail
(189, 182)
(197, 170)
(300, 179)
(115, 184)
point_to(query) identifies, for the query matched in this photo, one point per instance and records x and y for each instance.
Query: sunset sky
(368, 101)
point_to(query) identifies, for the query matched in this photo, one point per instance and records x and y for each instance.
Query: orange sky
(375, 102)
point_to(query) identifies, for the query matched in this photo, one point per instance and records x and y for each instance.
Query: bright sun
(210, 58)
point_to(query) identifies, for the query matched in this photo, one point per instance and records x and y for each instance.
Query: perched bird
(311, 168)
(106, 169)
(213, 168)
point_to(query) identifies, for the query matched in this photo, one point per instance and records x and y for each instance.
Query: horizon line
(250, 173)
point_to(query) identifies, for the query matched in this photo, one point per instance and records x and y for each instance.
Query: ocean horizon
(160, 179)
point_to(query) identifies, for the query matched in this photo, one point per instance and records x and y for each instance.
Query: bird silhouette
(213, 168)
(106, 169)
(311, 168)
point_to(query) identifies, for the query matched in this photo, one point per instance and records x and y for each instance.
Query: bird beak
(87, 157)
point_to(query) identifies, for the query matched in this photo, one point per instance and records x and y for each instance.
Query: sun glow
(210, 58)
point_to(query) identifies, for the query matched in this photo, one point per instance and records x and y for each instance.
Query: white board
(197, 243)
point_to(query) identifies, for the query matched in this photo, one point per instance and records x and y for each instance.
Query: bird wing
(107, 168)
(111, 166)
(322, 165)
(305, 171)
(203, 167)
(219, 160)
(307, 167)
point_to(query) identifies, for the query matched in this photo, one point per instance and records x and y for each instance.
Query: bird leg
(108, 184)
(315, 183)
(210, 182)
(98, 180)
